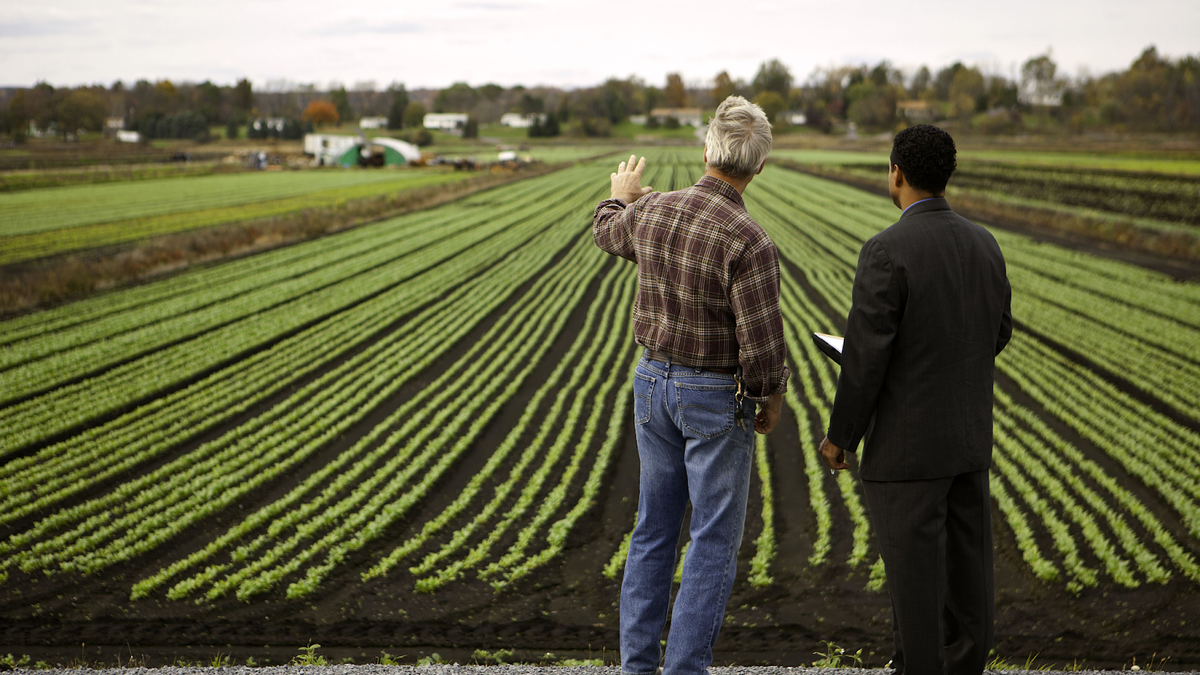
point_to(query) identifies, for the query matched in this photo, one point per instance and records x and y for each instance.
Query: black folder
(830, 345)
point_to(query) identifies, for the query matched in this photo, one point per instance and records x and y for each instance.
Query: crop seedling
(836, 657)
(497, 657)
(309, 657)
(386, 659)
(430, 660)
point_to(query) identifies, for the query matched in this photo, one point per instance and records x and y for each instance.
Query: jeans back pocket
(706, 410)
(643, 391)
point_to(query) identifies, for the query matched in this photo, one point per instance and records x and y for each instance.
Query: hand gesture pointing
(627, 181)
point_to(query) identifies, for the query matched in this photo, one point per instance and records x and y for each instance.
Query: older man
(707, 314)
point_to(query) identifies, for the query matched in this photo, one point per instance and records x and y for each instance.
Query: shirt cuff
(780, 388)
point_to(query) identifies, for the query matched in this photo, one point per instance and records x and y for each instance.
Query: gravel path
(479, 670)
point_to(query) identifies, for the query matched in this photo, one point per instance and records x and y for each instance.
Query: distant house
(692, 117)
(112, 125)
(795, 118)
(269, 123)
(521, 121)
(128, 136)
(1040, 94)
(34, 131)
(445, 121)
(372, 123)
(916, 111)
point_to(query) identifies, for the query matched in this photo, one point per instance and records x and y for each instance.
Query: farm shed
(330, 150)
(372, 123)
(396, 152)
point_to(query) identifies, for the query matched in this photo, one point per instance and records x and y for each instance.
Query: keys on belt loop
(738, 397)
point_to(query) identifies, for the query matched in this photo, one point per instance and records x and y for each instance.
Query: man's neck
(910, 197)
(738, 184)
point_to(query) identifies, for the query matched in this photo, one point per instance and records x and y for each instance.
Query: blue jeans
(690, 448)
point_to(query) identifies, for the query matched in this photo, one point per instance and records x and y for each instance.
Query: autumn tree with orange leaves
(321, 112)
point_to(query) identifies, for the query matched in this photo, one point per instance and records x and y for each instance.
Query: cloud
(372, 26)
(20, 28)
(491, 6)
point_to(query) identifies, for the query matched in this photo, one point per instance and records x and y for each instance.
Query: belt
(667, 358)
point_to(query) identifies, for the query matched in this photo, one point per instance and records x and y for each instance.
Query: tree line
(164, 109)
(1154, 94)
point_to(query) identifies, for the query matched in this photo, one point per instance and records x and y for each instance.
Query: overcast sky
(564, 43)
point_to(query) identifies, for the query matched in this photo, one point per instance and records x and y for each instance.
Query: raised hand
(627, 181)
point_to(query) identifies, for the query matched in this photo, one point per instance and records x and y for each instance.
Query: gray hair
(739, 138)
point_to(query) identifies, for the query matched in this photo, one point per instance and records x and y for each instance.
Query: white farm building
(330, 150)
(520, 121)
(445, 121)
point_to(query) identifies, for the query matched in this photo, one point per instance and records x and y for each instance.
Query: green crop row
(68, 207)
(289, 513)
(1103, 309)
(155, 508)
(519, 266)
(517, 477)
(66, 468)
(233, 377)
(446, 437)
(1161, 197)
(68, 354)
(764, 545)
(465, 498)
(169, 362)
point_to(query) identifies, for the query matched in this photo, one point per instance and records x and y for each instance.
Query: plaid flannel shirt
(708, 280)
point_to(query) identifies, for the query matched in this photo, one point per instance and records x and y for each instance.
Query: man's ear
(706, 153)
(898, 178)
(761, 167)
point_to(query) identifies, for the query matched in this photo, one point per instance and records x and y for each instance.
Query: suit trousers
(935, 537)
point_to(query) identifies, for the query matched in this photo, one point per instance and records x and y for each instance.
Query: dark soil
(570, 609)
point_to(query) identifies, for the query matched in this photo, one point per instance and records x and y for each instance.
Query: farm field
(1136, 204)
(1035, 158)
(11, 181)
(48, 221)
(416, 433)
(1153, 201)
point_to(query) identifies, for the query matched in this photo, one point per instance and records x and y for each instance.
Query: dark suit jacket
(930, 312)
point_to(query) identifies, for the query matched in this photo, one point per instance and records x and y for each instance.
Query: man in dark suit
(930, 312)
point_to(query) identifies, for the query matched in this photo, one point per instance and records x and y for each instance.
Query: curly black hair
(925, 154)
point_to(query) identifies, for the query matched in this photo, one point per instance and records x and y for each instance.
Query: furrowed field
(38, 223)
(416, 433)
